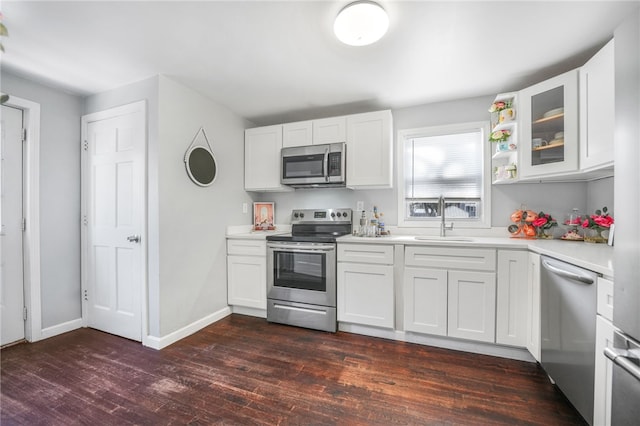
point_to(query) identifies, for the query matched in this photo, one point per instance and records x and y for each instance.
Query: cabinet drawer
(366, 253)
(247, 247)
(451, 258)
(605, 298)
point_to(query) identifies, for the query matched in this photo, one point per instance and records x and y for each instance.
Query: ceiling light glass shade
(361, 23)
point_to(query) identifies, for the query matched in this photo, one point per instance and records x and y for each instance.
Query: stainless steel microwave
(314, 165)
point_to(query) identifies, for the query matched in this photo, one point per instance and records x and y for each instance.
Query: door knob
(133, 238)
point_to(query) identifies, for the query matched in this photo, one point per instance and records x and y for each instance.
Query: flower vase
(544, 234)
(594, 235)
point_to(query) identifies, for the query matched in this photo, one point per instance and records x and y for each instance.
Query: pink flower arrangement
(500, 135)
(600, 220)
(499, 106)
(544, 221)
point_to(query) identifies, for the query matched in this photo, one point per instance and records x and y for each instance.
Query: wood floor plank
(245, 371)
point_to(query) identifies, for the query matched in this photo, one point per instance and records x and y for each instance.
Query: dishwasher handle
(567, 274)
(624, 359)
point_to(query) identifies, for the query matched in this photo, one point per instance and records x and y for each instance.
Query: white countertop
(246, 232)
(595, 257)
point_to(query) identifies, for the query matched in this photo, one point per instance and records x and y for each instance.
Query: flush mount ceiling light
(361, 23)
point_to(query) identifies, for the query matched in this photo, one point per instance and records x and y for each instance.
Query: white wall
(59, 197)
(186, 223)
(193, 219)
(554, 198)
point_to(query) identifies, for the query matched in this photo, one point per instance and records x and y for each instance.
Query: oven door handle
(301, 248)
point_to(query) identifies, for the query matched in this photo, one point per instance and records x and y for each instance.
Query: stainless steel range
(301, 269)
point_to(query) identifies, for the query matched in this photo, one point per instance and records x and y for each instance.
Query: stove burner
(317, 225)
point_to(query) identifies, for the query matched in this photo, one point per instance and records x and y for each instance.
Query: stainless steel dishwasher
(568, 328)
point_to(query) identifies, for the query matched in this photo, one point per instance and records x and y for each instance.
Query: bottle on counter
(363, 224)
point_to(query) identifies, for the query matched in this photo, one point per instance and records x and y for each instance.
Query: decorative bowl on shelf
(551, 113)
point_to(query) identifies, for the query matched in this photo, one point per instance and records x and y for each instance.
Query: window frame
(485, 215)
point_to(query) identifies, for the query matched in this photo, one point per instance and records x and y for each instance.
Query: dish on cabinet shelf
(556, 142)
(548, 146)
(553, 112)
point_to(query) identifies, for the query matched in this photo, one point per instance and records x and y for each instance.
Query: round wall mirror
(201, 165)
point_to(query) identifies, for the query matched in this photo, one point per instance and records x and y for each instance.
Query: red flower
(540, 221)
(599, 220)
(604, 221)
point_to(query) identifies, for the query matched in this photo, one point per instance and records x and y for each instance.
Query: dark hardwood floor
(243, 370)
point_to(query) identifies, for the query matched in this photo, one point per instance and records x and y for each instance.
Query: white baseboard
(520, 354)
(253, 312)
(65, 327)
(164, 341)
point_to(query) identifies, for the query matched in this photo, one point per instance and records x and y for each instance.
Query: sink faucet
(443, 227)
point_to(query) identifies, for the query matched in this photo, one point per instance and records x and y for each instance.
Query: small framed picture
(263, 216)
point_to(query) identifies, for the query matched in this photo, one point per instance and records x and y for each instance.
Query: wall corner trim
(57, 329)
(164, 341)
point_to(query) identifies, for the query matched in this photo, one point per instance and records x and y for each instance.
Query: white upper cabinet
(262, 159)
(370, 150)
(597, 110)
(369, 154)
(549, 127)
(330, 130)
(297, 134)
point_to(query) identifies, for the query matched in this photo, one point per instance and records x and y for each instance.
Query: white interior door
(114, 216)
(11, 249)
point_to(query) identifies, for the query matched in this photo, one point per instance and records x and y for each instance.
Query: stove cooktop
(317, 225)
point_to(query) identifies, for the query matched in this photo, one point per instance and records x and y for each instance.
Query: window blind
(449, 165)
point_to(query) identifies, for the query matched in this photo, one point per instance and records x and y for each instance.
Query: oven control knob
(334, 215)
(295, 215)
(339, 214)
(301, 215)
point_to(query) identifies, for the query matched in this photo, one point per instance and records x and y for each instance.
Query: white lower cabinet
(533, 306)
(365, 284)
(472, 305)
(603, 373)
(450, 292)
(511, 305)
(425, 300)
(604, 339)
(247, 273)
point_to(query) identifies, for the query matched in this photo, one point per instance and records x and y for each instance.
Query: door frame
(140, 106)
(31, 202)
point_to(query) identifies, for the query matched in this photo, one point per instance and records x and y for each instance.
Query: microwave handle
(326, 164)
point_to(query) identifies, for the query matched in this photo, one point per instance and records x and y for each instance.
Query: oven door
(302, 272)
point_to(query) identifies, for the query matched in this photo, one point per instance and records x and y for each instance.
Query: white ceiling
(279, 61)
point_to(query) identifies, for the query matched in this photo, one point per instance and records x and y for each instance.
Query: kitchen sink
(437, 238)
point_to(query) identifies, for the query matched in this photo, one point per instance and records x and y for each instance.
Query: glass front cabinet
(549, 127)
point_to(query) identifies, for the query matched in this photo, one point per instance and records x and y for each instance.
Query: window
(448, 161)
